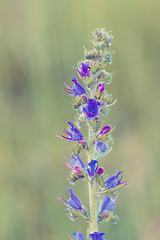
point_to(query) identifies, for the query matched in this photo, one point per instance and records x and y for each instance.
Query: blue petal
(77, 88)
(78, 236)
(113, 180)
(91, 109)
(74, 132)
(97, 236)
(71, 127)
(107, 204)
(92, 106)
(93, 168)
(101, 146)
(77, 161)
(85, 69)
(77, 135)
(74, 200)
(92, 165)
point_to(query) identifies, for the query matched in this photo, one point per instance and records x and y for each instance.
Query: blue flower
(93, 169)
(73, 133)
(78, 236)
(84, 70)
(114, 180)
(97, 236)
(73, 200)
(107, 204)
(101, 146)
(76, 89)
(76, 163)
(91, 109)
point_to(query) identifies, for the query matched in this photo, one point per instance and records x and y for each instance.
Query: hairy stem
(92, 187)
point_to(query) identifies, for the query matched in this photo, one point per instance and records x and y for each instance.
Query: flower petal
(78, 236)
(74, 201)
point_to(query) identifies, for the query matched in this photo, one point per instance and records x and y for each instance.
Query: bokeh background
(40, 42)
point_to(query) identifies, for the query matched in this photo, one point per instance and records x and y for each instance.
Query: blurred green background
(40, 42)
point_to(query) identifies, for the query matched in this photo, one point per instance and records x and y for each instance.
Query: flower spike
(92, 102)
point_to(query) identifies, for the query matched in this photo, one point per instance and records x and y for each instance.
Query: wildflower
(93, 169)
(76, 89)
(97, 236)
(73, 133)
(78, 236)
(101, 146)
(73, 201)
(114, 180)
(84, 70)
(76, 163)
(107, 204)
(91, 109)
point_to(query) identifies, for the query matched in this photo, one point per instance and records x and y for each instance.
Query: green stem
(92, 187)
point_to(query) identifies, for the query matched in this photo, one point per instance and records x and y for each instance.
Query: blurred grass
(40, 42)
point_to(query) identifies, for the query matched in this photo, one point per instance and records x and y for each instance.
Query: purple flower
(101, 146)
(78, 236)
(73, 133)
(73, 201)
(91, 109)
(114, 180)
(76, 89)
(93, 169)
(105, 130)
(107, 204)
(101, 88)
(76, 163)
(97, 236)
(84, 70)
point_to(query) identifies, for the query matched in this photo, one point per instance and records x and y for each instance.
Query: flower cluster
(92, 100)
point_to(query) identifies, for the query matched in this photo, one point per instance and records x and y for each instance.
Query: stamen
(68, 86)
(65, 137)
(67, 91)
